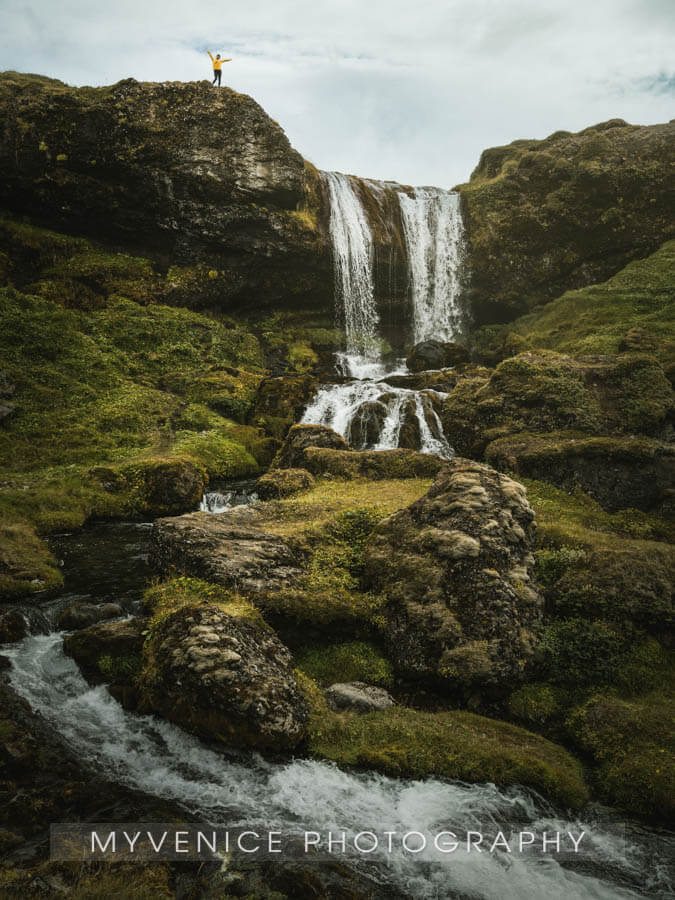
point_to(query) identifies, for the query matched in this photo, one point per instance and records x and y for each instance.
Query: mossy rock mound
(463, 604)
(164, 486)
(436, 355)
(407, 743)
(283, 483)
(299, 438)
(627, 583)
(224, 677)
(632, 743)
(110, 647)
(375, 464)
(280, 402)
(543, 217)
(618, 472)
(542, 391)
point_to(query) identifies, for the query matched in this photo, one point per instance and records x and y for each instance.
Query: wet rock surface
(114, 640)
(436, 355)
(457, 568)
(227, 549)
(225, 678)
(82, 615)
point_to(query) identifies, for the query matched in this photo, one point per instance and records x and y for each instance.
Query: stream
(620, 859)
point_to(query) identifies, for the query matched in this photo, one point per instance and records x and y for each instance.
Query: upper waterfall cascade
(434, 233)
(369, 412)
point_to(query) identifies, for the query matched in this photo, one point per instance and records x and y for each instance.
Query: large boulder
(224, 677)
(228, 549)
(110, 640)
(618, 472)
(292, 453)
(436, 355)
(543, 391)
(463, 606)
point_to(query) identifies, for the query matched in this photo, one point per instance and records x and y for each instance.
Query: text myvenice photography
(337, 450)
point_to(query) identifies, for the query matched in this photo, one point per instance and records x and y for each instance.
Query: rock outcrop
(542, 217)
(228, 549)
(225, 678)
(463, 606)
(292, 453)
(179, 171)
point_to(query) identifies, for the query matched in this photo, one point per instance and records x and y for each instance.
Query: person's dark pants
(217, 74)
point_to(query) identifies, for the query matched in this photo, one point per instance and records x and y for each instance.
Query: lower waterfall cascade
(364, 408)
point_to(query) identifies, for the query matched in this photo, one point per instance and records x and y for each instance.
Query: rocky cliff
(543, 217)
(180, 172)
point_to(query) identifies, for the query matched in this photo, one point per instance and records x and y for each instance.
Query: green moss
(349, 661)
(26, 565)
(221, 456)
(538, 704)
(119, 669)
(375, 464)
(577, 653)
(632, 744)
(162, 599)
(595, 319)
(407, 743)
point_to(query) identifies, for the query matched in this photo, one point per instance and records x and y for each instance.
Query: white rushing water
(434, 234)
(353, 263)
(305, 795)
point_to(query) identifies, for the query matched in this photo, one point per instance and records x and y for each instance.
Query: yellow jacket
(217, 63)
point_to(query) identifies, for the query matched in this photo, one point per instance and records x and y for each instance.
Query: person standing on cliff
(217, 66)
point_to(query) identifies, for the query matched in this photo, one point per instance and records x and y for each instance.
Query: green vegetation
(632, 310)
(405, 742)
(163, 599)
(349, 661)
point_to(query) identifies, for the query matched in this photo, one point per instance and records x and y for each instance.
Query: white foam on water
(309, 795)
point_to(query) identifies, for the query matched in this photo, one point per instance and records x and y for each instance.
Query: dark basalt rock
(82, 615)
(436, 355)
(366, 425)
(13, 626)
(225, 678)
(457, 568)
(228, 549)
(112, 639)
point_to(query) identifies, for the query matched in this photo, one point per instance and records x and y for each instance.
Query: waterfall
(369, 412)
(353, 261)
(434, 233)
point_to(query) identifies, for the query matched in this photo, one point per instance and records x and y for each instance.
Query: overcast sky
(409, 91)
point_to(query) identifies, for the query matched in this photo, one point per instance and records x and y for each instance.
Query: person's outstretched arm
(211, 55)
(227, 60)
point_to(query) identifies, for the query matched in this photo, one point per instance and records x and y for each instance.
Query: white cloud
(410, 91)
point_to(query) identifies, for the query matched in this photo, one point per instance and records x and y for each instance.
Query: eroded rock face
(292, 453)
(226, 549)
(225, 678)
(457, 569)
(187, 173)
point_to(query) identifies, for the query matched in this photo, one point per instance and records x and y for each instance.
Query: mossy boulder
(542, 391)
(292, 453)
(26, 564)
(632, 744)
(13, 626)
(164, 487)
(542, 217)
(280, 402)
(224, 677)
(463, 606)
(375, 464)
(618, 472)
(283, 482)
(108, 651)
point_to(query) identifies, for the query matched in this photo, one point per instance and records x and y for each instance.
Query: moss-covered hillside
(546, 216)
